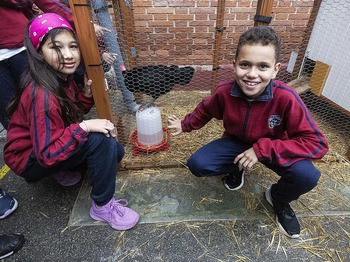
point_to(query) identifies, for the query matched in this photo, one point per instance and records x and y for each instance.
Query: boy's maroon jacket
(15, 15)
(37, 127)
(277, 123)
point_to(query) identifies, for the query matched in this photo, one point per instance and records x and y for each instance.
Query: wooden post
(310, 26)
(127, 24)
(88, 42)
(217, 46)
(263, 12)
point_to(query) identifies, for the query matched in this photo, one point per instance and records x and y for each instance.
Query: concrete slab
(175, 195)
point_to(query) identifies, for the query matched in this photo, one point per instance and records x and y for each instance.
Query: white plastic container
(149, 126)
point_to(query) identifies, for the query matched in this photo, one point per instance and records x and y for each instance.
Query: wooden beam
(88, 42)
(264, 9)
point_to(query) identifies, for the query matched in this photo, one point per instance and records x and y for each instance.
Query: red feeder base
(139, 147)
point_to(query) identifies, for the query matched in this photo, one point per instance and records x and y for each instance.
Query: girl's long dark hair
(47, 78)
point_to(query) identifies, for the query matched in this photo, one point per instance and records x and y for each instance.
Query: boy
(265, 120)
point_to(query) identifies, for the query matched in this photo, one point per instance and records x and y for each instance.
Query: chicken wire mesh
(168, 55)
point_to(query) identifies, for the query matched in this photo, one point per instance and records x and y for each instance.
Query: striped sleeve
(52, 141)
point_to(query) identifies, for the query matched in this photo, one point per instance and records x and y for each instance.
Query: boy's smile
(255, 66)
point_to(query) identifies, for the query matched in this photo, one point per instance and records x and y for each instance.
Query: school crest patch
(274, 120)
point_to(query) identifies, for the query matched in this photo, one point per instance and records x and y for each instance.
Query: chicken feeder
(150, 134)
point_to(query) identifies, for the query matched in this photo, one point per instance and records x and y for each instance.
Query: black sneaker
(10, 244)
(285, 217)
(234, 180)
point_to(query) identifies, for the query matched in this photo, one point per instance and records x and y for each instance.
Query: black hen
(156, 80)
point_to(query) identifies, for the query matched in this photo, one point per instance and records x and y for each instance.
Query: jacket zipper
(246, 118)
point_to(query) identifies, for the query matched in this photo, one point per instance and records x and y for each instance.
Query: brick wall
(182, 32)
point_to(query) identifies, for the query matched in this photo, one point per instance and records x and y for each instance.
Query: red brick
(162, 53)
(143, 17)
(299, 16)
(281, 16)
(180, 17)
(160, 23)
(201, 17)
(231, 3)
(159, 30)
(244, 3)
(278, 10)
(202, 10)
(309, 3)
(181, 29)
(160, 36)
(181, 10)
(160, 17)
(203, 3)
(202, 23)
(141, 3)
(160, 3)
(200, 41)
(242, 16)
(160, 10)
(140, 23)
(181, 3)
(179, 23)
(139, 10)
(283, 3)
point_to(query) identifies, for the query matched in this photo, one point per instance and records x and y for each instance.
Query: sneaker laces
(118, 207)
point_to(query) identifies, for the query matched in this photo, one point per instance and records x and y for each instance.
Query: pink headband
(43, 24)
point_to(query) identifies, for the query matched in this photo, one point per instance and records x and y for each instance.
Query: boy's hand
(246, 160)
(87, 86)
(174, 123)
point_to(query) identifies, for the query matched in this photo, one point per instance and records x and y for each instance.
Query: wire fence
(171, 54)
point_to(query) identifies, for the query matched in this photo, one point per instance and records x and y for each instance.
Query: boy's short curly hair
(263, 35)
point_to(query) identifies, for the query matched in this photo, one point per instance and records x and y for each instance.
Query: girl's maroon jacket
(277, 123)
(37, 127)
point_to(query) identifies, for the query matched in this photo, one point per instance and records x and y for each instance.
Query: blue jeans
(11, 70)
(100, 155)
(216, 158)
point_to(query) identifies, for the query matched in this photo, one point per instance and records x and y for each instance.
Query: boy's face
(254, 67)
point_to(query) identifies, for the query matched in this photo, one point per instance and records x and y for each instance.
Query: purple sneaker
(67, 178)
(117, 215)
(7, 204)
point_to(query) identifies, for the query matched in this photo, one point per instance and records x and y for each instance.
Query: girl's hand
(174, 123)
(246, 160)
(99, 126)
(87, 86)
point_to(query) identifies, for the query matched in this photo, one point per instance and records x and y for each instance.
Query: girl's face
(255, 66)
(62, 54)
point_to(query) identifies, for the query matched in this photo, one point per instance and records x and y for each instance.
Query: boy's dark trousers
(99, 154)
(216, 158)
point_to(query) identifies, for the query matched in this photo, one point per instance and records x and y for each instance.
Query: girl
(47, 135)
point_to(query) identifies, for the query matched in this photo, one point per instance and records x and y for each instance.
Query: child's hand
(100, 126)
(246, 160)
(174, 123)
(87, 86)
(99, 30)
(109, 57)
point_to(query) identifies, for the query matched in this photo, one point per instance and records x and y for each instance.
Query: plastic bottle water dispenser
(149, 126)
